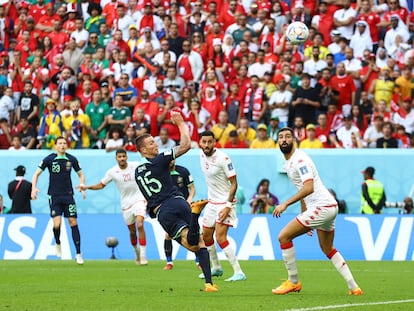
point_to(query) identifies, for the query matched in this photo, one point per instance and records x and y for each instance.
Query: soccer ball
(111, 241)
(297, 33)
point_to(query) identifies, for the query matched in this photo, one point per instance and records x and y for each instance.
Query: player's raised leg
(286, 236)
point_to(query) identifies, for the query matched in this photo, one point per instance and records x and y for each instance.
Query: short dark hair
(306, 76)
(207, 133)
(139, 141)
(120, 150)
(284, 129)
(59, 138)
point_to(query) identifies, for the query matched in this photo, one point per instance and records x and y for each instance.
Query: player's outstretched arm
(97, 186)
(185, 141)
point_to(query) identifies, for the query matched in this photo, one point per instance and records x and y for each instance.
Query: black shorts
(174, 215)
(64, 204)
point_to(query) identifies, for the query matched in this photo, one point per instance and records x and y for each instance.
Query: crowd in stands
(102, 72)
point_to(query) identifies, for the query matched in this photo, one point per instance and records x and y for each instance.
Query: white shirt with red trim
(300, 168)
(124, 180)
(217, 170)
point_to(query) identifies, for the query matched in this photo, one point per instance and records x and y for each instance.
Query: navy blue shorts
(64, 204)
(174, 215)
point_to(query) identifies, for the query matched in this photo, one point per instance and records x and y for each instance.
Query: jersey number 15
(150, 185)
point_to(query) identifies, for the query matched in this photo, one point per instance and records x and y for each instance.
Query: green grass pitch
(121, 285)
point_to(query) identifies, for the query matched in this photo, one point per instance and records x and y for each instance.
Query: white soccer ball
(111, 241)
(297, 33)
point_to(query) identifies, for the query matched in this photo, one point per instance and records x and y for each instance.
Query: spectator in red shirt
(25, 46)
(234, 141)
(227, 15)
(215, 33)
(38, 10)
(164, 118)
(373, 20)
(369, 72)
(394, 9)
(322, 130)
(150, 108)
(58, 37)
(46, 23)
(344, 84)
(323, 22)
(70, 23)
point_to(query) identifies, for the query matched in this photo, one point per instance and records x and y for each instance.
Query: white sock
(215, 262)
(289, 258)
(231, 256)
(143, 250)
(342, 267)
(137, 250)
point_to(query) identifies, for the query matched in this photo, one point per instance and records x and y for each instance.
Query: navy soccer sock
(56, 233)
(204, 259)
(168, 250)
(193, 235)
(76, 238)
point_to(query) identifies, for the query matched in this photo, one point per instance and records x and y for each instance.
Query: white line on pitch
(350, 305)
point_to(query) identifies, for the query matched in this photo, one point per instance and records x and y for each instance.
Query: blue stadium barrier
(357, 237)
(340, 170)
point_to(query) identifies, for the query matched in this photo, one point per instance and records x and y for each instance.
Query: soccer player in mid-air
(164, 199)
(133, 203)
(220, 212)
(319, 210)
(61, 201)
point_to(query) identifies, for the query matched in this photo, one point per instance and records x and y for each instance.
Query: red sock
(209, 243)
(224, 244)
(286, 245)
(142, 242)
(333, 252)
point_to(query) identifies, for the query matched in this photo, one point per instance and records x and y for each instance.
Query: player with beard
(220, 212)
(319, 210)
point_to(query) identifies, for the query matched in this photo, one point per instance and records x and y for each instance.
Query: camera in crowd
(394, 204)
(406, 206)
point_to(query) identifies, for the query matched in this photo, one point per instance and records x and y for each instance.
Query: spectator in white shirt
(361, 39)
(397, 28)
(373, 132)
(259, 68)
(345, 133)
(80, 34)
(344, 19)
(163, 141)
